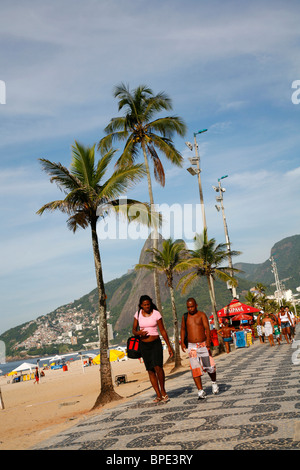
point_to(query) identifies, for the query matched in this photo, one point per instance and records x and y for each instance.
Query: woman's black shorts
(152, 353)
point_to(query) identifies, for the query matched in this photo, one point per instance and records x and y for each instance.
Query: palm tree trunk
(107, 393)
(176, 332)
(155, 239)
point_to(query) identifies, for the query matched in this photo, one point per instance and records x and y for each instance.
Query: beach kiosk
(23, 372)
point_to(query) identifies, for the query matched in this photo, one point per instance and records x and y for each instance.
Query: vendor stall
(23, 372)
(236, 307)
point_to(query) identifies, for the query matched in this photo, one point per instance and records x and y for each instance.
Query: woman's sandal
(165, 398)
(157, 400)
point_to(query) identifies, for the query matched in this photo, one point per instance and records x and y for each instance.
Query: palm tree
(251, 298)
(206, 261)
(261, 288)
(166, 261)
(139, 130)
(85, 194)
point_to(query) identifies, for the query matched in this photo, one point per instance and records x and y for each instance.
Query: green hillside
(287, 257)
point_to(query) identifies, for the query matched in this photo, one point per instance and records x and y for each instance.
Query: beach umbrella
(236, 307)
(22, 367)
(91, 355)
(55, 358)
(114, 355)
(242, 316)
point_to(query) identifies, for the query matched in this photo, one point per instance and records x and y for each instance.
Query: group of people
(196, 340)
(195, 330)
(276, 325)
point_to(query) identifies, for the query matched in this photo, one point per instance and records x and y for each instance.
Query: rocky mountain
(123, 296)
(286, 254)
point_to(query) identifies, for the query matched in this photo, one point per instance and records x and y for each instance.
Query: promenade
(257, 408)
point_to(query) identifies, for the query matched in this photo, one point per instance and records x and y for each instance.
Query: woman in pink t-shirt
(147, 324)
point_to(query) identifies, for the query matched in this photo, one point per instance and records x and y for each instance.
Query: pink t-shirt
(149, 323)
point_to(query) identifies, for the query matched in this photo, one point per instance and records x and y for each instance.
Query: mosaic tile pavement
(257, 408)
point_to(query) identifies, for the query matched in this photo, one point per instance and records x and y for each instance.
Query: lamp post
(219, 199)
(278, 284)
(195, 161)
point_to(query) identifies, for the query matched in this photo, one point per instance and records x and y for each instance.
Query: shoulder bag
(134, 347)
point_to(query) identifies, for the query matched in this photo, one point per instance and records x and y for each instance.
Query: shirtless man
(225, 332)
(198, 333)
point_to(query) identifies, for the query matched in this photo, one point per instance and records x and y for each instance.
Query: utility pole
(219, 199)
(196, 161)
(277, 281)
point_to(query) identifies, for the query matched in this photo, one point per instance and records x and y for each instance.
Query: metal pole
(226, 237)
(199, 182)
(277, 282)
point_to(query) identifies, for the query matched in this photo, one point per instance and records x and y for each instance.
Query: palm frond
(61, 205)
(116, 131)
(129, 154)
(121, 180)
(159, 172)
(186, 281)
(150, 266)
(167, 148)
(79, 219)
(102, 165)
(60, 175)
(156, 104)
(168, 125)
(137, 212)
(223, 276)
(83, 163)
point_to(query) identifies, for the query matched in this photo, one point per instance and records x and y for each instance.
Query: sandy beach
(34, 412)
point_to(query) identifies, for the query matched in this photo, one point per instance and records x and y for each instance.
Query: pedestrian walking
(36, 376)
(292, 326)
(259, 327)
(225, 331)
(195, 337)
(268, 324)
(146, 324)
(285, 323)
(277, 333)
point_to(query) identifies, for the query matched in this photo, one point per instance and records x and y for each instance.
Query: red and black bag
(134, 347)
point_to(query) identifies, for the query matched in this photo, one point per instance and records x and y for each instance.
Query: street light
(219, 199)
(195, 161)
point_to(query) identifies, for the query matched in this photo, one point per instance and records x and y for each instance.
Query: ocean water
(7, 367)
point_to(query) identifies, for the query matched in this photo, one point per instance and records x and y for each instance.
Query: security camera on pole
(195, 161)
(219, 199)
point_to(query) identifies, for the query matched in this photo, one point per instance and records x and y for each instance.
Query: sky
(231, 67)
